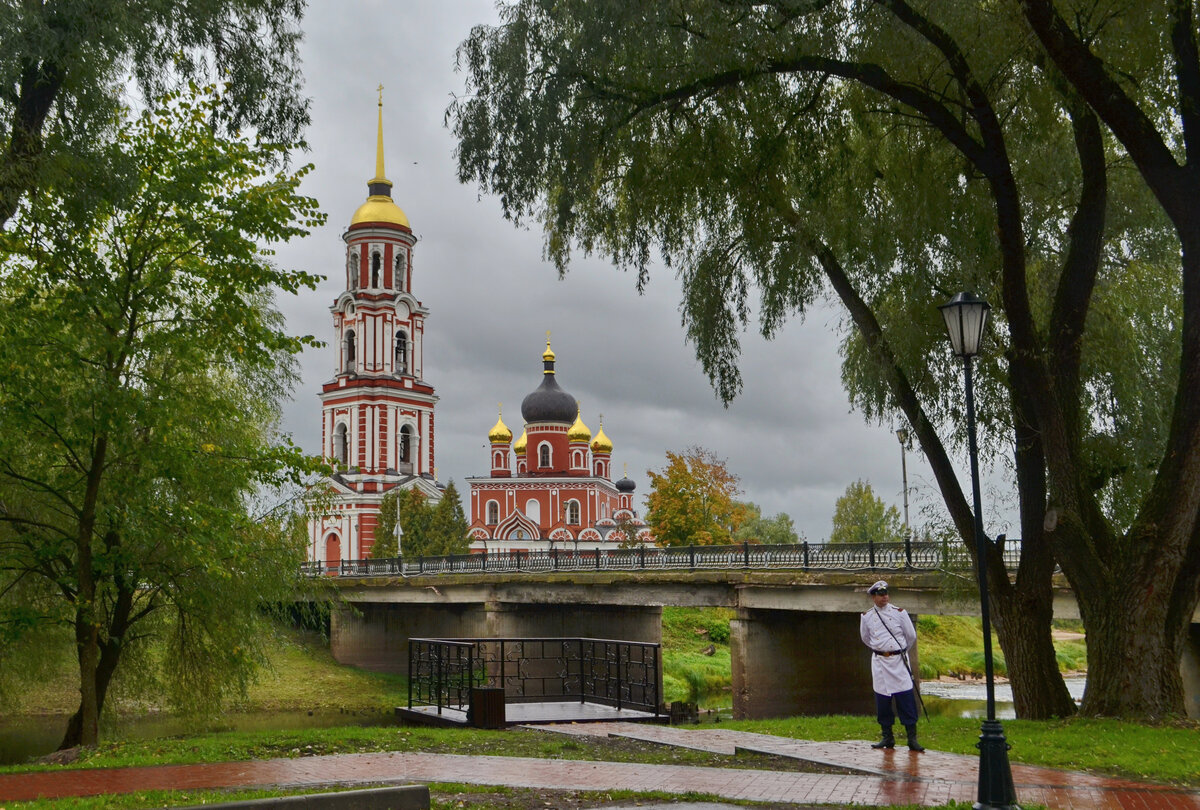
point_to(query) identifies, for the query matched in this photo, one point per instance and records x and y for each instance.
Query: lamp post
(966, 316)
(902, 435)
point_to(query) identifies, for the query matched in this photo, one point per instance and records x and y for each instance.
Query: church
(377, 425)
(561, 493)
(377, 420)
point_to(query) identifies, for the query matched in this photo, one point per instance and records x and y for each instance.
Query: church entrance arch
(333, 551)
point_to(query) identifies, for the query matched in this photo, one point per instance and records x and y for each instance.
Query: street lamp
(966, 316)
(902, 435)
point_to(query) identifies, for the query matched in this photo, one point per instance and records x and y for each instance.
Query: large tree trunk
(1022, 622)
(105, 668)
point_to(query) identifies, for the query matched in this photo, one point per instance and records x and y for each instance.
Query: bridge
(794, 639)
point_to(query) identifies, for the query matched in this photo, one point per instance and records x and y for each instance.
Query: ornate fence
(906, 556)
(622, 674)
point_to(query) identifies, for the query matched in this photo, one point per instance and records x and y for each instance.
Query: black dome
(549, 403)
(625, 485)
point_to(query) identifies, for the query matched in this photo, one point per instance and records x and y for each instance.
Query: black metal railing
(622, 674)
(903, 556)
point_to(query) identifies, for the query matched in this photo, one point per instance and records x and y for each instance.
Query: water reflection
(969, 698)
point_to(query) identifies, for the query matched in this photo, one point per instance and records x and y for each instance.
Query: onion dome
(379, 206)
(625, 485)
(601, 444)
(579, 431)
(548, 402)
(519, 447)
(500, 434)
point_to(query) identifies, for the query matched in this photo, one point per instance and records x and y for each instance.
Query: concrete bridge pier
(789, 662)
(375, 636)
(1190, 669)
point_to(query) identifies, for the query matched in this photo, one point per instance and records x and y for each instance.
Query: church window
(376, 264)
(340, 444)
(352, 270)
(399, 271)
(533, 510)
(349, 344)
(493, 513)
(406, 435)
(572, 513)
(401, 352)
(544, 455)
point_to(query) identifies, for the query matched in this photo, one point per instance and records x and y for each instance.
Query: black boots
(911, 733)
(887, 741)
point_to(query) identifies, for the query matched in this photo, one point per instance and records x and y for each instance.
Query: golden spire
(548, 355)
(579, 432)
(379, 206)
(601, 444)
(380, 175)
(500, 434)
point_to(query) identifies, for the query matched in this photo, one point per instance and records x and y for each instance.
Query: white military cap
(877, 587)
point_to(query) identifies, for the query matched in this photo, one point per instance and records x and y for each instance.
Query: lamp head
(966, 318)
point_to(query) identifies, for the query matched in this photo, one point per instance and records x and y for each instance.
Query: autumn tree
(143, 367)
(893, 153)
(67, 64)
(691, 500)
(860, 516)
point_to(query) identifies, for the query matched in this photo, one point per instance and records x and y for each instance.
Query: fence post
(908, 549)
(692, 557)
(805, 549)
(620, 649)
(871, 552)
(440, 663)
(597, 558)
(554, 557)
(745, 553)
(410, 674)
(421, 564)
(485, 558)
(642, 554)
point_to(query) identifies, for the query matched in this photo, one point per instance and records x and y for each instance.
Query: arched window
(349, 343)
(376, 264)
(406, 436)
(572, 513)
(341, 444)
(352, 270)
(533, 510)
(401, 352)
(544, 455)
(398, 272)
(493, 513)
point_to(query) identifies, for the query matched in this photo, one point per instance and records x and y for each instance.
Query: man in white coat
(888, 633)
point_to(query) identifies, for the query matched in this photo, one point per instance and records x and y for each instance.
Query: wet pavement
(878, 778)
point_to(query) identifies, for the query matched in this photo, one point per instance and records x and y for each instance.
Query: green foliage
(691, 501)
(860, 517)
(426, 529)
(142, 371)
(689, 672)
(754, 528)
(67, 65)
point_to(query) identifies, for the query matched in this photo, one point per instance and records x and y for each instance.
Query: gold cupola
(601, 444)
(519, 447)
(500, 434)
(379, 206)
(579, 432)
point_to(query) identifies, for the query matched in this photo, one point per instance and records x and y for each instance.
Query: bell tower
(377, 410)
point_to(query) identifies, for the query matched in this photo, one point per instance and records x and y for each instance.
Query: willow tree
(143, 367)
(894, 153)
(65, 65)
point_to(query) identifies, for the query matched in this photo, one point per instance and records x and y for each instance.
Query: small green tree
(448, 524)
(861, 517)
(413, 512)
(754, 528)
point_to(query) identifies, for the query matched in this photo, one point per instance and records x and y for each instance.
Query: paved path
(895, 777)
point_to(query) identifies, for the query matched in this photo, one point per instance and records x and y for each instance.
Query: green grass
(690, 672)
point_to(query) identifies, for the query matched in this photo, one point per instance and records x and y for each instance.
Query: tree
(861, 517)
(65, 63)
(894, 153)
(142, 371)
(428, 529)
(691, 501)
(754, 528)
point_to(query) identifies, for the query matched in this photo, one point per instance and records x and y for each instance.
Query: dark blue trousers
(906, 706)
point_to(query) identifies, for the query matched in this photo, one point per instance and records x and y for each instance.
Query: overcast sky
(790, 436)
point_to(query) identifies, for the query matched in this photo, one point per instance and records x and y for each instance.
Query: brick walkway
(890, 778)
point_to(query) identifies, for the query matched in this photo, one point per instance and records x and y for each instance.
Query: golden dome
(379, 207)
(601, 444)
(579, 431)
(519, 447)
(500, 434)
(548, 355)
